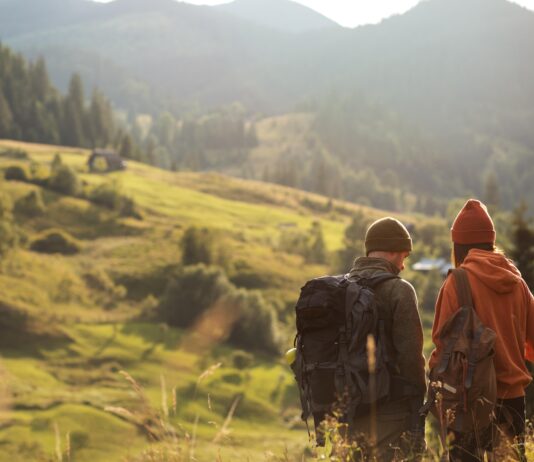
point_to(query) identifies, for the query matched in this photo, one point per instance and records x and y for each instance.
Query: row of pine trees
(31, 109)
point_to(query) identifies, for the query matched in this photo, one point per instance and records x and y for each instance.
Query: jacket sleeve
(529, 343)
(446, 306)
(407, 333)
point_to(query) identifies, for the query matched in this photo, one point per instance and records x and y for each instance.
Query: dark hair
(460, 251)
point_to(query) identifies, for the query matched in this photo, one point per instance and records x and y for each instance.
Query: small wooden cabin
(105, 160)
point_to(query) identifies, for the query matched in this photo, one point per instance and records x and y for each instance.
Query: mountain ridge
(284, 15)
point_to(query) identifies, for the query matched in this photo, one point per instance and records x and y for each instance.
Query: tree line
(32, 109)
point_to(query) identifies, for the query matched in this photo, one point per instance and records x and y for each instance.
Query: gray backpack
(335, 315)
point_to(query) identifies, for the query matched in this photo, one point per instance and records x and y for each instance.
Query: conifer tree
(523, 240)
(40, 84)
(72, 132)
(56, 162)
(126, 149)
(492, 192)
(101, 125)
(317, 250)
(6, 117)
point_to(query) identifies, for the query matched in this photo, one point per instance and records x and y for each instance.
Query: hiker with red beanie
(503, 303)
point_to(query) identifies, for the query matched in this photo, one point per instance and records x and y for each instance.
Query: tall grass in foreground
(169, 441)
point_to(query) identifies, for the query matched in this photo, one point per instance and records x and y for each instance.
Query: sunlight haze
(353, 13)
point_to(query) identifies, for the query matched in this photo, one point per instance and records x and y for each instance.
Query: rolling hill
(449, 83)
(71, 323)
(443, 61)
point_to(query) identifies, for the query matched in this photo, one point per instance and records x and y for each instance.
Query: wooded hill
(435, 104)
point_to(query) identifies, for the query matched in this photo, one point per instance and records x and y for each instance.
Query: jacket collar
(371, 265)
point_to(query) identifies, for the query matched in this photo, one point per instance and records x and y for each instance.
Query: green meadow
(89, 369)
(65, 344)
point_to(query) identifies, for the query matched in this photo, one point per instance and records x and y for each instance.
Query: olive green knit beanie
(388, 235)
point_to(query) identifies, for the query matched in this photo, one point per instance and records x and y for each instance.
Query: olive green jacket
(397, 307)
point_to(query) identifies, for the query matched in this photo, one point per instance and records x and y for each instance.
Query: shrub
(40, 424)
(39, 173)
(109, 293)
(256, 327)
(8, 232)
(250, 279)
(79, 440)
(31, 205)
(251, 321)
(129, 209)
(16, 173)
(107, 195)
(57, 162)
(64, 180)
(193, 291)
(197, 246)
(56, 241)
(242, 359)
(232, 377)
(18, 154)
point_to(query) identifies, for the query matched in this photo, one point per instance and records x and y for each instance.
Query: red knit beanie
(473, 225)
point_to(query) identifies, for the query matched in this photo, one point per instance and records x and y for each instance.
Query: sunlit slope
(249, 216)
(63, 343)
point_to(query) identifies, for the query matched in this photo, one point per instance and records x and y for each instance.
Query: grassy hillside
(65, 338)
(88, 370)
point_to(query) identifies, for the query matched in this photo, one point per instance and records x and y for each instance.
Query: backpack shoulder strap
(462, 287)
(464, 300)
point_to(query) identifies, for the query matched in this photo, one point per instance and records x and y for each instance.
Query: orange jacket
(503, 303)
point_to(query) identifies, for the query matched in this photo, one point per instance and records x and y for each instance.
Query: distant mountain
(452, 78)
(152, 51)
(21, 17)
(444, 58)
(285, 15)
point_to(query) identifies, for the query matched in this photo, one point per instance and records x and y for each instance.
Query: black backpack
(335, 315)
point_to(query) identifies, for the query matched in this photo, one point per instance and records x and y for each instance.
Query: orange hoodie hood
(494, 270)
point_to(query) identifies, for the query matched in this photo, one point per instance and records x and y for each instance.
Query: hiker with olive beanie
(400, 430)
(503, 303)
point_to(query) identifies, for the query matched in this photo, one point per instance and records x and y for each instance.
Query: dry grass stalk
(224, 429)
(193, 442)
(135, 386)
(371, 361)
(208, 373)
(174, 401)
(67, 447)
(5, 394)
(59, 453)
(156, 425)
(164, 400)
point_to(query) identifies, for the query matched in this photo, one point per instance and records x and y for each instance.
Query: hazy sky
(352, 13)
